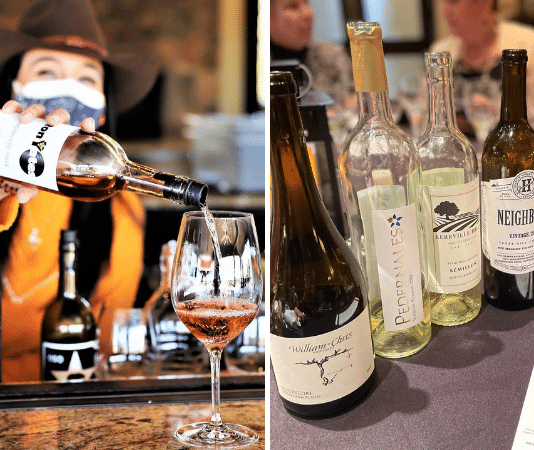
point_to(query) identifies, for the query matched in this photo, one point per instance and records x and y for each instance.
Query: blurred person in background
(476, 41)
(291, 26)
(57, 58)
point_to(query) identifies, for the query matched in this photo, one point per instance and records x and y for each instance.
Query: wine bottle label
(65, 362)
(508, 223)
(320, 369)
(524, 434)
(453, 247)
(392, 254)
(29, 152)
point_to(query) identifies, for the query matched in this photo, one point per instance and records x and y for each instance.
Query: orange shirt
(30, 279)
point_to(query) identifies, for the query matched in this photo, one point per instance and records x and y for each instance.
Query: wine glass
(412, 97)
(216, 294)
(481, 102)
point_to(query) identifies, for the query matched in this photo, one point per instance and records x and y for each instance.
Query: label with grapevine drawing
(323, 368)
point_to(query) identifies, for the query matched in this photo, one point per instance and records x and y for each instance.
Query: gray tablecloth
(464, 390)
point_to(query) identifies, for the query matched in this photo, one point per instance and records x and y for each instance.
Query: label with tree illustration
(452, 233)
(324, 368)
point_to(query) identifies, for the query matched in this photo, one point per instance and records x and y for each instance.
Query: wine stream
(210, 222)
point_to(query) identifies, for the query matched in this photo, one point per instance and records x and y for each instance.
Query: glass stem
(215, 362)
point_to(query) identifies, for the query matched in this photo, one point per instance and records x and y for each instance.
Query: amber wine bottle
(83, 166)
(321, 347)
(450, 205)
(507, 195)
(69, 340)
(380, 175)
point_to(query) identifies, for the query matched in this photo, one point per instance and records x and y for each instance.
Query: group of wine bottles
(70, 333)
(419, 218)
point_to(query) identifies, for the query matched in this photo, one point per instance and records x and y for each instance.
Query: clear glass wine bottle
(380, 170)
(83, 166)
(170, 344)
(450, 205)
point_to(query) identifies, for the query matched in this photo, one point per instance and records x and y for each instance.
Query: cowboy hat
(72, 26)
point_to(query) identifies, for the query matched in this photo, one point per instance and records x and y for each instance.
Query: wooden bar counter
(132, 426)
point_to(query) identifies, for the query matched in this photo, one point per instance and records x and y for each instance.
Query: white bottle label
(399, 270)
(508, 223)
(66, 362)
(452, 213)
(324, 368)
(392, 262)
(29, 152)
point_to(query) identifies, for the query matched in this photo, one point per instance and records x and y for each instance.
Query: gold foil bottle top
(367, 56)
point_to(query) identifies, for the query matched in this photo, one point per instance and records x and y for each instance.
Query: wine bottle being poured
(83, 166)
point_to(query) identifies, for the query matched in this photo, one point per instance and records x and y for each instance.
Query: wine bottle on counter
(450, 205)
(170, 344)
(507, 194)
(83, 166)
(320, 336)
(69, 338)
(380, 175)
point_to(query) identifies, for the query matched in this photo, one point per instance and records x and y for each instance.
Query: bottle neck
(514, 102)
(440, 98)
(371, 85)
(67, 271)
(375, 105)
(145, 180)
(293, 185)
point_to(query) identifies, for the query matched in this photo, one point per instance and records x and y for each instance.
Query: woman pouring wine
(55, 65)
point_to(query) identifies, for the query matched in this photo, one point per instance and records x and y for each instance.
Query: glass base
(227, 435)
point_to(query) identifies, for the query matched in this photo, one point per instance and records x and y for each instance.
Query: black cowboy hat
(72, 26)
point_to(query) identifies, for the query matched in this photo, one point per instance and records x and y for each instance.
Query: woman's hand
(26, 115)
(38, 111)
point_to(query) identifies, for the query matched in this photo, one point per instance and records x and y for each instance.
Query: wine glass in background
(216, 294)
(481, 102)
(412, 96)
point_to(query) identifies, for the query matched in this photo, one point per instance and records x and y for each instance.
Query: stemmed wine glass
(482, 103)
(412, 97)
(216, 294)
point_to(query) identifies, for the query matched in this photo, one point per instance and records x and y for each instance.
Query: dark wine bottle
(507, 190)
(69, 339)
(321, 346)
(83, 166)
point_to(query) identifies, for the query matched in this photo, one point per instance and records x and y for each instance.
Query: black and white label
(508, 223)
(29, 152)
(69, 362)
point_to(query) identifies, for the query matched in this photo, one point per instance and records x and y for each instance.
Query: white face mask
(78, 99)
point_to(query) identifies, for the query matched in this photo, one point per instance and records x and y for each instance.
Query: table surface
(464, 390)
(136, 426)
